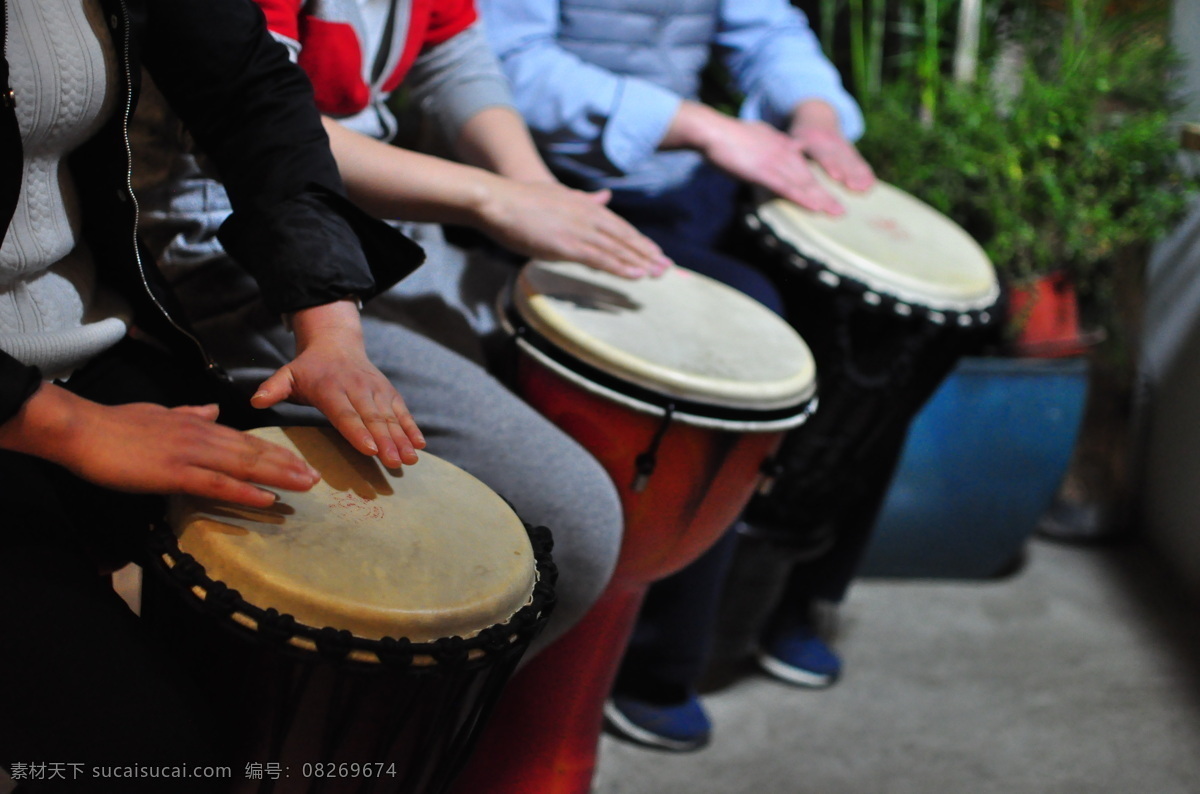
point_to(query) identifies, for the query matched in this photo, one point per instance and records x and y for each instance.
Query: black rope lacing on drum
(278, 628)
(646, 462)
(184, 572)
(334, 644)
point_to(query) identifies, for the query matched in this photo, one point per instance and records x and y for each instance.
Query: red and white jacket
(356, 52)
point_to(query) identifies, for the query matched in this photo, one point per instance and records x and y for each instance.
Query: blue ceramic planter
(983, 460)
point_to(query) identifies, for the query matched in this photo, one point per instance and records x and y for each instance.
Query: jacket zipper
(9, 98)
(126, 117)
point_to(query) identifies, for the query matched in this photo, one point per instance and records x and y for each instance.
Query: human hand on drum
(553, 222)
(146, 448)
(750, 151)
(755, 152)
(816, 128)
(331, 372)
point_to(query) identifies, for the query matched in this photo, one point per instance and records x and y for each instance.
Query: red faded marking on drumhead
(891, 227)
(350, 502)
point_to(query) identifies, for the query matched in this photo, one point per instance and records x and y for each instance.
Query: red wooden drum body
(352, 638)
(702, 479)
(682, 388)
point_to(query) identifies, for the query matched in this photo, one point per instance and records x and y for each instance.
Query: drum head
(681, 335)
(891, 242)
(422, 552)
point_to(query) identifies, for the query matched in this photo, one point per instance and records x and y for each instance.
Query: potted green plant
(1059, 157)
(1044, 130)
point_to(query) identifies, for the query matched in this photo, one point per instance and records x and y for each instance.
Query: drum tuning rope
(184, 574)
(645, 463)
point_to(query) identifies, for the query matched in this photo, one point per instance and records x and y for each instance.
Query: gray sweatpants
(468, 417)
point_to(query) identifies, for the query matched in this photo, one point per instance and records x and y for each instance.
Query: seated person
(611, 95)
(427, 333)
(105, 400)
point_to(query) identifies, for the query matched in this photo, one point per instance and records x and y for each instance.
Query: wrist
(488, 202)
(815, 114)
(695, 126)
(46, 425)
(336, 317)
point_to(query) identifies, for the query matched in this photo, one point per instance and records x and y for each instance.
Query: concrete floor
(1080, 674)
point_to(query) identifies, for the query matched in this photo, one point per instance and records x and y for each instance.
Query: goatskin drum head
(892, 242)
(682, 335)
(424, 552)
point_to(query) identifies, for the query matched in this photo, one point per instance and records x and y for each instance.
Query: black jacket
(252, 112)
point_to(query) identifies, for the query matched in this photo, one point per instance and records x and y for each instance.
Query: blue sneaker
(797, 655)
(680, 727)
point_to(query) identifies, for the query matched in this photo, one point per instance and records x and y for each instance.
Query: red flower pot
(1045, 315)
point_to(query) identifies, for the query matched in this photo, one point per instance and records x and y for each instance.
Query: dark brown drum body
(355, 637)
(888, 296)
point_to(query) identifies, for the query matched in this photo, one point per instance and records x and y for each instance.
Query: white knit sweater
(52, 314)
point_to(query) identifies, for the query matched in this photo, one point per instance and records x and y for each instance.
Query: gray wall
(1170, 412)
(1185, 34)
(1169, 415)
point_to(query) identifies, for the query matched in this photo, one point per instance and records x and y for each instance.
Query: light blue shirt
(600, 104)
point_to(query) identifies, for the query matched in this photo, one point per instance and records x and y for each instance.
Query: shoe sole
(793, 675)
(621, 726)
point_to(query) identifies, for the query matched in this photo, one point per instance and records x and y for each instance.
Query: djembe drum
(353, 637)
(681, 387)
(888, 296)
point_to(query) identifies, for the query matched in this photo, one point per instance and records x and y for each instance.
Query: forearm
(540, 218)
(390, 182)
(496, 139)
